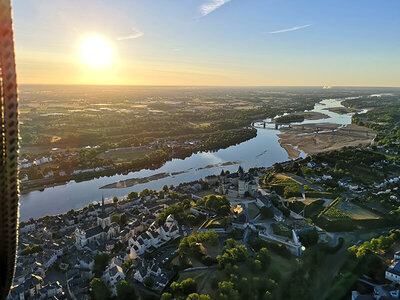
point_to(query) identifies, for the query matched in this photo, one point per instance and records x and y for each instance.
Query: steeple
(240, 170)
(102, 201)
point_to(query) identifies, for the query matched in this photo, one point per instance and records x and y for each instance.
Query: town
(261, 233)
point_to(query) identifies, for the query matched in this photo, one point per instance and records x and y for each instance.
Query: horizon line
(187, 85)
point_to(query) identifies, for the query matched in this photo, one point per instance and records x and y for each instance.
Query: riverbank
(314, 138)
(292, 152)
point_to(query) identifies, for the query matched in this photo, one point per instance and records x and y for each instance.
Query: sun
(96, 52)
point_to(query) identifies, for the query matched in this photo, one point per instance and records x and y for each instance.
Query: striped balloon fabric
(9, 151)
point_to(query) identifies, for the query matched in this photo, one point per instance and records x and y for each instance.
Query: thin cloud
(211, 5)
(290, 29)
(136, 33)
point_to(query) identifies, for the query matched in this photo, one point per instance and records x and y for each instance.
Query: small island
(300, 117)
(134, 181)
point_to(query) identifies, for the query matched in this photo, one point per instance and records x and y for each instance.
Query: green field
(345, 209)
(356, 212)
(253, 210)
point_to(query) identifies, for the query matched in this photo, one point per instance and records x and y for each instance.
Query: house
(393, 272)
(155, 237)
(144, 269)
(105, 230)
(33, 285)
(38, 269)
(386, 290)
(211, 179)
(247, 185)
(113, 275)
(28, 227)
(355, 295)
(51, 290)
(85, 237)
(86, 261)
(17, 293)
(311, 164)
(77, 285)
(326, 177)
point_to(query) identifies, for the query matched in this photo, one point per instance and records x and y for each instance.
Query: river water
(262, 151)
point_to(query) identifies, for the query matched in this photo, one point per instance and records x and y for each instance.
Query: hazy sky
(211, 42)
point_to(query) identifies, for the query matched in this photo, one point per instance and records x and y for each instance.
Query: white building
(393, 272)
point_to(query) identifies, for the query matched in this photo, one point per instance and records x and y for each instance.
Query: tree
(100, 263)
(309, 237)
(165, 188)
(99, 290)
(264, 257)
(128, 263)
(219, 204)
(188, 286)
(209, 236)
(124, 219)
(266, 213)
(125, 291)
(133, 195)
(31, 249)
(115, 199)
(148, 281)
(189, 246)
(226, 290)
(116, 218)
(256, 265)
(166, 296)
(196, 296)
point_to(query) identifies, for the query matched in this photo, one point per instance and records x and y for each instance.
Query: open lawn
(346, 209)
(204, 193)
(285, 266)
(253, 210)
(308, 201)
(213, 250)
(356, 212)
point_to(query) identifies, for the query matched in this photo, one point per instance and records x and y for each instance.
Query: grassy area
(281, 230)
(356, 212)
(344, 209)
(196, 275)
(285, 266)
(253, 210)
(216, 223)
(284, 185)
(213, 250)
(334, 213)
(308, 201)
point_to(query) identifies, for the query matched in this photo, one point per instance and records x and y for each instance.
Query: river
(262, 151)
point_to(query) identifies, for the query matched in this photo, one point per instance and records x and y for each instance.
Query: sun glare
(96, 52)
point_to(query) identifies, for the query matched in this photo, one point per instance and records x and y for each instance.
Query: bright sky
(208, 42)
